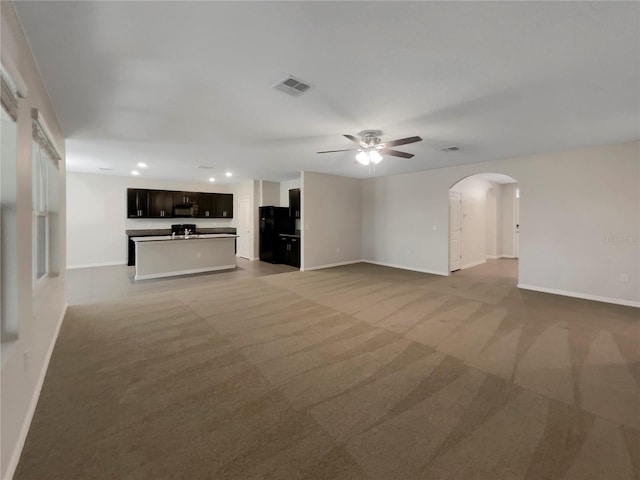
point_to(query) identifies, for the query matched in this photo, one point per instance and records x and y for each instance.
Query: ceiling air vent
(292, 86)
(453, 148)
(105, 169)
(204, 167)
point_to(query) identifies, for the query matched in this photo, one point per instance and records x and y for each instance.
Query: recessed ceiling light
(142, 165)
(212, 179)
(135, 172)
(228, 174)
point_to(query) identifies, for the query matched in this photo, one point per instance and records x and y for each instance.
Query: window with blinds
(9, 96)
(45, 174)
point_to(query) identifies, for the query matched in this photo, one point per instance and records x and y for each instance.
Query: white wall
(284, 190)
(331, 219)
(97, 215)
(38, 313)
(579, 213)
(269, 193)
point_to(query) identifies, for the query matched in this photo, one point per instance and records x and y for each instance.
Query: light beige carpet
(347, 373)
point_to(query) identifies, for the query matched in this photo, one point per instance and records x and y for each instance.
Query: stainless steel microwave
(185, 210)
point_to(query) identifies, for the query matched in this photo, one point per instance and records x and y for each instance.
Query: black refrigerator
(273, 222)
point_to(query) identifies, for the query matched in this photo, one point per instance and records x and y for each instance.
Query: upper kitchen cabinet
(224, 205)
(183, 198)
(137, 202)
(160, 203)
(142, 203)
(294, 202)
(207, 205)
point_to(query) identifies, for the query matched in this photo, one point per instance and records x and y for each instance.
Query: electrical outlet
(25, 357)
(624, 277)
(435, 227)
(338, 250)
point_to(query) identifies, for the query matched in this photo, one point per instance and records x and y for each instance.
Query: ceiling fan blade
(333, 151)
(402, 141)
(357, 140)
(396, 153)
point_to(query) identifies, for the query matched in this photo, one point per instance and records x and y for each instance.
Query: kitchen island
(166, 255)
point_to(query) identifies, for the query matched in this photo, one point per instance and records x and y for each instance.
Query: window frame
(42, 178)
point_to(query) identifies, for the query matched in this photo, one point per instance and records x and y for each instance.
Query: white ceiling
(182, 84)
(497, 178)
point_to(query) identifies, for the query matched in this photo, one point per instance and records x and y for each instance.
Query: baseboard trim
(89, 265)
(507, 256)
(584, 296)
(15, 457)
(473, 264)
(330, 265)
(404, 267)
(251, 259)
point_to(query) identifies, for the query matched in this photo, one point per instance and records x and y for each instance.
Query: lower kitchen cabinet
(290, 250)
(131, 251)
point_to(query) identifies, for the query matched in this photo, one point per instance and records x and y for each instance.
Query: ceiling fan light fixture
(362, 158)
(375, 157)
(367, 157)
(372, 149)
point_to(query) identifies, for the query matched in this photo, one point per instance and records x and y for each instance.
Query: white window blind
(45, 200)
(10, 94)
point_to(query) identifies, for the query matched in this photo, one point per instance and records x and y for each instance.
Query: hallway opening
(484, 224)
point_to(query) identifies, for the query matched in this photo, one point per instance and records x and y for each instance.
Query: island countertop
(167, 231)
(162, 238)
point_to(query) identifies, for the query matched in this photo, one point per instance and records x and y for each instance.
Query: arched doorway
(484, 219)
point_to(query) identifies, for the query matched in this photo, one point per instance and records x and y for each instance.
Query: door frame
(516, 222)
(249, 222)
(458, 196)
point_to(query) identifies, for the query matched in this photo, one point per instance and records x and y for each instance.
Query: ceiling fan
(372, 148)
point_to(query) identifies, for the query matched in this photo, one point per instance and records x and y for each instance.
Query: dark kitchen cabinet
(289, 251)
(131, 251)
(294, 202)
(207, 205)
(137, 202)
(160, 203)
(183, 198)
(143, 203)
(224, 205)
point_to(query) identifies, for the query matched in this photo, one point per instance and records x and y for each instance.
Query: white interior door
(455, 199)
(245, 236)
